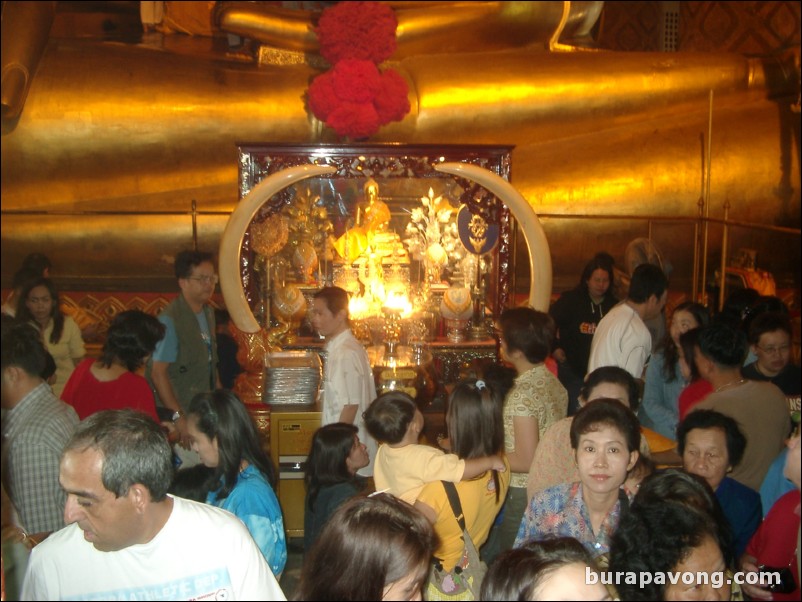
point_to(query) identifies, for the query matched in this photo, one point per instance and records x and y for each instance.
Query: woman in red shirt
(114, 381)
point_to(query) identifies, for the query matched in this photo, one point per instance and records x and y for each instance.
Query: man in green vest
(185, 360)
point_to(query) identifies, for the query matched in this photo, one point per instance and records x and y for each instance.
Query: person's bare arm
(161, 380)
(348, 413)
(426, 510)
(527, 437)
(476, 466)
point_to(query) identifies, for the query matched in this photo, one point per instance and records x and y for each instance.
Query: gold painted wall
(132, 131)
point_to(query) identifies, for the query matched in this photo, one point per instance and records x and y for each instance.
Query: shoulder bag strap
(453, 499)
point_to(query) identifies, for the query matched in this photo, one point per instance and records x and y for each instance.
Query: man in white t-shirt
(622, 338)
(348, 385)
(127, 539)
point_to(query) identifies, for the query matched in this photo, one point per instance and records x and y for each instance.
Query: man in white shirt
(348, 385)
(622, 338)
(127, 539)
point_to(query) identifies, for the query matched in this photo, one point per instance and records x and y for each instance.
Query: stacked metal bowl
(292, 377)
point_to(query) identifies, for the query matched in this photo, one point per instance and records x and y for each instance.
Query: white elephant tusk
(534, 236)
(231, 242)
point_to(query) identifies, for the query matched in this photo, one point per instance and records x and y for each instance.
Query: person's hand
(755, 592)
(14, 534)
(182, 434)
(498, 464)
(443, 442)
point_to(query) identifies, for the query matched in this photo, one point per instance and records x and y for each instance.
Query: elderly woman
(605, 437)
(711, 445)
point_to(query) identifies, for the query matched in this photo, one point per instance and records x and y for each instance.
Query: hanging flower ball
(357, 30)
(354, 97)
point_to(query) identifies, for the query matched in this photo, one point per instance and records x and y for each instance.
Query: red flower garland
(354, 98)
(357, 30)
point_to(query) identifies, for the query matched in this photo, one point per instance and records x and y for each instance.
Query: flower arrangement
(354, 97)
(432, 235)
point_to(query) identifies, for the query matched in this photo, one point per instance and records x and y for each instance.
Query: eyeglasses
(205, 279)
(774, 350)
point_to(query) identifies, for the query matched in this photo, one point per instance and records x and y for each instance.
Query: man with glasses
(185, 360)
(770, 340)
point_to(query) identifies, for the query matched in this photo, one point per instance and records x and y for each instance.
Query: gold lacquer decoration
(289, 308)
(270, 236)
(251, 351)
(478, 229)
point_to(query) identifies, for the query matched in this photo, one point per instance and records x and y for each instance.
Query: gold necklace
(733, 383)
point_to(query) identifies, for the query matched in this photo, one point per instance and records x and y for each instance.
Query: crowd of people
(587, 454)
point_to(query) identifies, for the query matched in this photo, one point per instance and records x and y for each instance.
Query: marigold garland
(354, 97)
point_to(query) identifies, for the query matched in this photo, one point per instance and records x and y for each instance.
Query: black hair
(529, 331)
(131, 338)
(647, 280)
(134, 449)
(22, 346)
(710, 419)
(723, 345)
(655, 539)
(186, 261)
(24, 314)
(501, 377)
(688, 341)
(38, 262)
(22, 276)
(601, 261)
(606, 412)
(614, 375)
(388, 417)
(769, 321)
(193, 483)
(518, 573)
(326, 463)
(220, 414)
(693, 491)
(736, 306)
(762, 305)
(475, 423)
